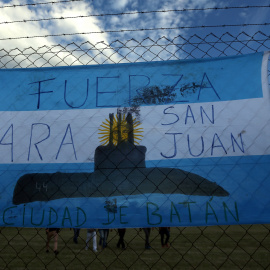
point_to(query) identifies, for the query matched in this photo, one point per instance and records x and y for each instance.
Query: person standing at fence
(103, 233)
(164, 231)
(52, 233)
(91, 234)
(121, 241)
(76, 235)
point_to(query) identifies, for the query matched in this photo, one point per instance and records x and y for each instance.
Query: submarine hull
(112, 182)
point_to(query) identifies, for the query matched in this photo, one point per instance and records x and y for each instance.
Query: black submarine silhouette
(120, 170)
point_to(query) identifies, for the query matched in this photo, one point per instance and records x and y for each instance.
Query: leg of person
(76, 234)
(120, 238)
(106, 234)
(122, 235)
(88, 237)
(55, 242)
(147, 236)
(167, 232)
(94, 237)
(162, 238)
(101, 235)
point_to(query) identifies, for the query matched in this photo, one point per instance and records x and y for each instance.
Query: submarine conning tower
(125, 154)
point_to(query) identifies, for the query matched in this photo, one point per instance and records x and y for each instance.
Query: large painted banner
(175, 143)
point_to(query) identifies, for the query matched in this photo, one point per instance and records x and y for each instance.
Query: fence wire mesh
(213, 247)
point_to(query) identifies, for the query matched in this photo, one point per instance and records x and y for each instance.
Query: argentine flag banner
(171, 143)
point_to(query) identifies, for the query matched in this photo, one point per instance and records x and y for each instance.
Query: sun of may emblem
(105, 130)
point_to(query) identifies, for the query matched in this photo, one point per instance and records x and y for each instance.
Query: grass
(217, 247)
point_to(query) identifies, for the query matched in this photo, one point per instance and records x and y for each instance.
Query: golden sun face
(105, 131)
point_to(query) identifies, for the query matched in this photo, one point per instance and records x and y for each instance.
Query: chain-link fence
(209, 247)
